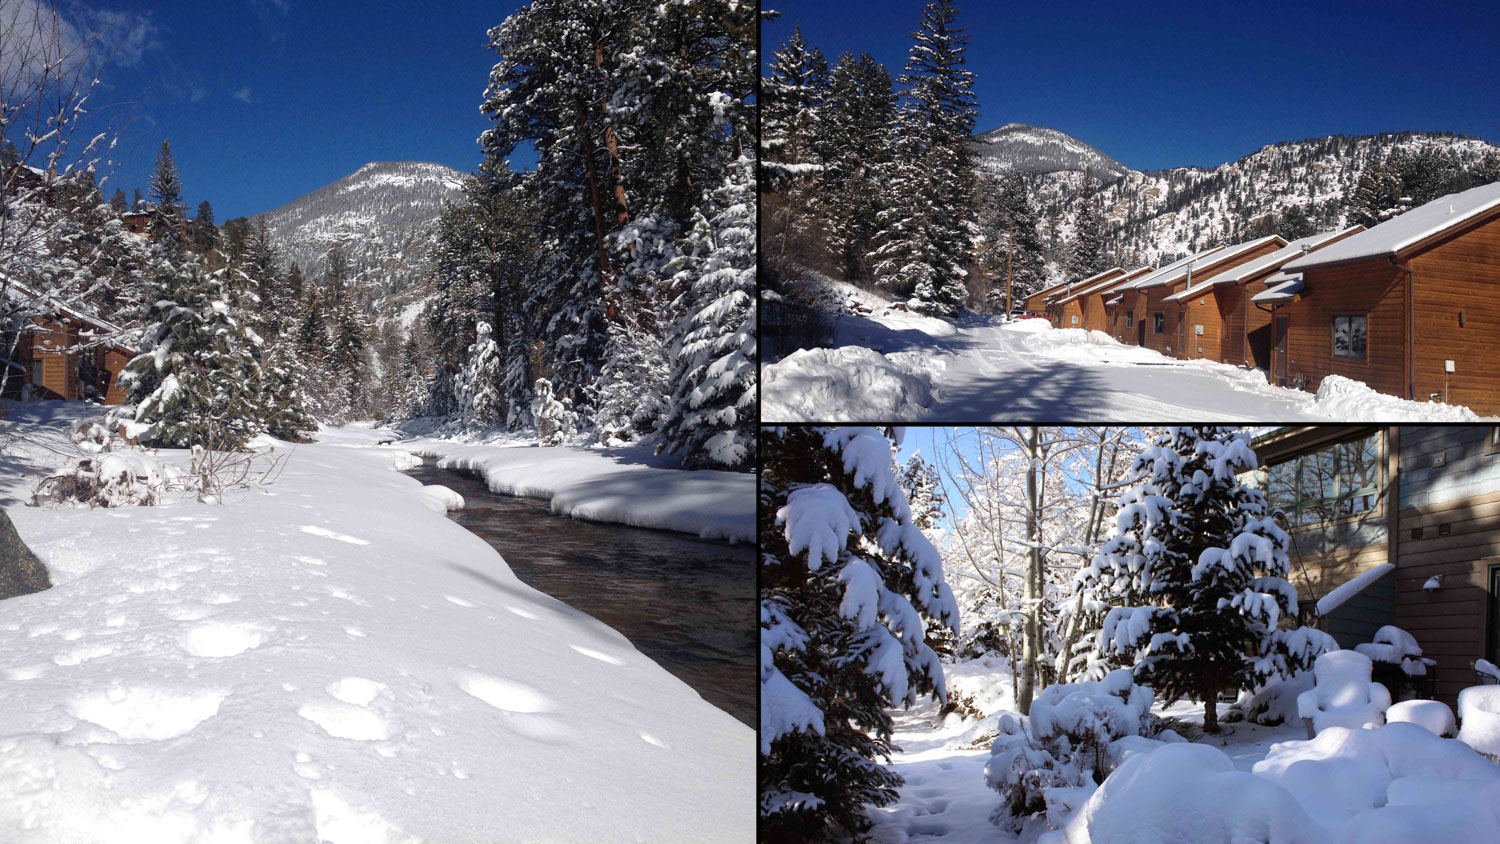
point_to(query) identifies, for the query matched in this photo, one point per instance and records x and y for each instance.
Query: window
(1158, 324)
(1492, 441)
(1335, 482)
(38, 372)
(1349, 336)
(1130, 319)
(1074, 319)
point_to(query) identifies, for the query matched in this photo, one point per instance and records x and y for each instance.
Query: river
(686, 603)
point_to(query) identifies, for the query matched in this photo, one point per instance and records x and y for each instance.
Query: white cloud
(243, 95)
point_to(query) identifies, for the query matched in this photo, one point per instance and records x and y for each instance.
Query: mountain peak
(1023, 148)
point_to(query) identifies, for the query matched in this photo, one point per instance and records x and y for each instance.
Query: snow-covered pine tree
(1377, 195)
(791, 103)
(205, 233)
(555, 421)
(188, 384)
(847, 583)
(855, 141)
(924, 492)
(1196, 573)
(1015, 254)
(711, 419)
(928, 242)
(167, 222)
(1088, 253)
(481, 404)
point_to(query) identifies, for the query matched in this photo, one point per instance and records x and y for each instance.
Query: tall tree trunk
(1033, 579)
(1210, 707)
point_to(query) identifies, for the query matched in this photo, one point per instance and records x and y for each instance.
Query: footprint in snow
(146, 714)
(522, 705)
(218, 640)
(346, 721)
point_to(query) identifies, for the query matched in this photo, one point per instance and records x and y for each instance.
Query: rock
(21, 573)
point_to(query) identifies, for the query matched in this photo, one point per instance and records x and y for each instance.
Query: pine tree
(1088, 253)
(482, 405)
(1016, 255)
(1378, 195)
(855, 140)
(791, 101)
(1486, 171)
(927, 236)
(188, 385)
(166, 223)
(118, 202)
(1196, 573)
(205, 233)
(712, 416)
(847, 581)
(924, 492)
(555, 420)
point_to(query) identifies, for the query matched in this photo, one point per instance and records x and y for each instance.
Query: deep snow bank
(624, 485)
(331, 658)
(846, 384)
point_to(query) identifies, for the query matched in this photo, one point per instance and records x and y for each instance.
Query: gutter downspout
(1411, 318)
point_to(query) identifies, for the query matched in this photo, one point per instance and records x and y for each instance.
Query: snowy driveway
(894, 366)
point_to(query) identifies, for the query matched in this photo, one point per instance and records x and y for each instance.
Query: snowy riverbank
(330, 658)
(626, 485)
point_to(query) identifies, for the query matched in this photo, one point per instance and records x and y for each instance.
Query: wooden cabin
(1233, 330)
(1087, 301)
(1410, 307)
(1410, 517)
(50, 363)
(1063, 307)
(1187, 338)
(1129, 301)
(1036, 303)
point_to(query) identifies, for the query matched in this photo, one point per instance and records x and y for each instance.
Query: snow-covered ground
(1250, 783)
(894, 365)
(330, 658)
(625, 485)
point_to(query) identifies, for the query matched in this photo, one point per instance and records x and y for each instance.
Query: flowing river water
(686, 603)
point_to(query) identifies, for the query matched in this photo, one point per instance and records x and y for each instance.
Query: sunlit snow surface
(892, 365)
(331, 658)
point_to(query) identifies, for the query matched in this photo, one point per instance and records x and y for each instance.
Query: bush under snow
(1065, 743)
(110, 479)
(1479, 715)
(1432, 715)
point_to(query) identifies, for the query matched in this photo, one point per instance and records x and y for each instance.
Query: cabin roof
(1073, 287)
(1255, 266)
(1399, 233)
(1106, 285)
(1211, 259)
(1175, 268)
(97, 322)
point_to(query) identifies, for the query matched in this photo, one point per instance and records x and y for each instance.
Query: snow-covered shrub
(1065, 742)
(1479, 719)
(1344, 773)
(112, 479)
(1274, 701)
(1432, 715)
(555, 420)
(1187, 792)
(93, 438)
(1343, 695)
(1393, 645)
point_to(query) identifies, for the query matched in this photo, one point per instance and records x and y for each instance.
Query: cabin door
(1140, 332)
(1493, 650)
(1279, 351)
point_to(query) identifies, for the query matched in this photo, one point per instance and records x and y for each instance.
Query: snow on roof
(1333, 600)
(1173, 269)
(1077, 286)
(1282, 277)
(1282, 292)
(77, 313)
(1409, 229)
(1219, 257)
(1101, 286)
(1115, 301)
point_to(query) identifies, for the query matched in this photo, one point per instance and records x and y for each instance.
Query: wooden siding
(1373, 289)
(1459, 274)
(1071, 315)
(1356, 620)
(1204, 309)
(114, 361)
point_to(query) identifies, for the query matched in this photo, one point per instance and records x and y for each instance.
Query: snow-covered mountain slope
(1035, 150)
(1159, 215)
(382, 216)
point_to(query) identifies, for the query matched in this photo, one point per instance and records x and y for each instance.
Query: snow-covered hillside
(382, 216)
(1163, 214)
(1019, 147)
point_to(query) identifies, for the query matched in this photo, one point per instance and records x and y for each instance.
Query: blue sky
(1168, 84)
(266, 100)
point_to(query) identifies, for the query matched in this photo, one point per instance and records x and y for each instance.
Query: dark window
(1129, 319)
(1334, 482)
(1158, 324)
(38, 371)
(1349, 334)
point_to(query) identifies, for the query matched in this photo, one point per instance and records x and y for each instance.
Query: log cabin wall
(1071, 315)
(1449, 526)
(1204, 310)
(1457, 317)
